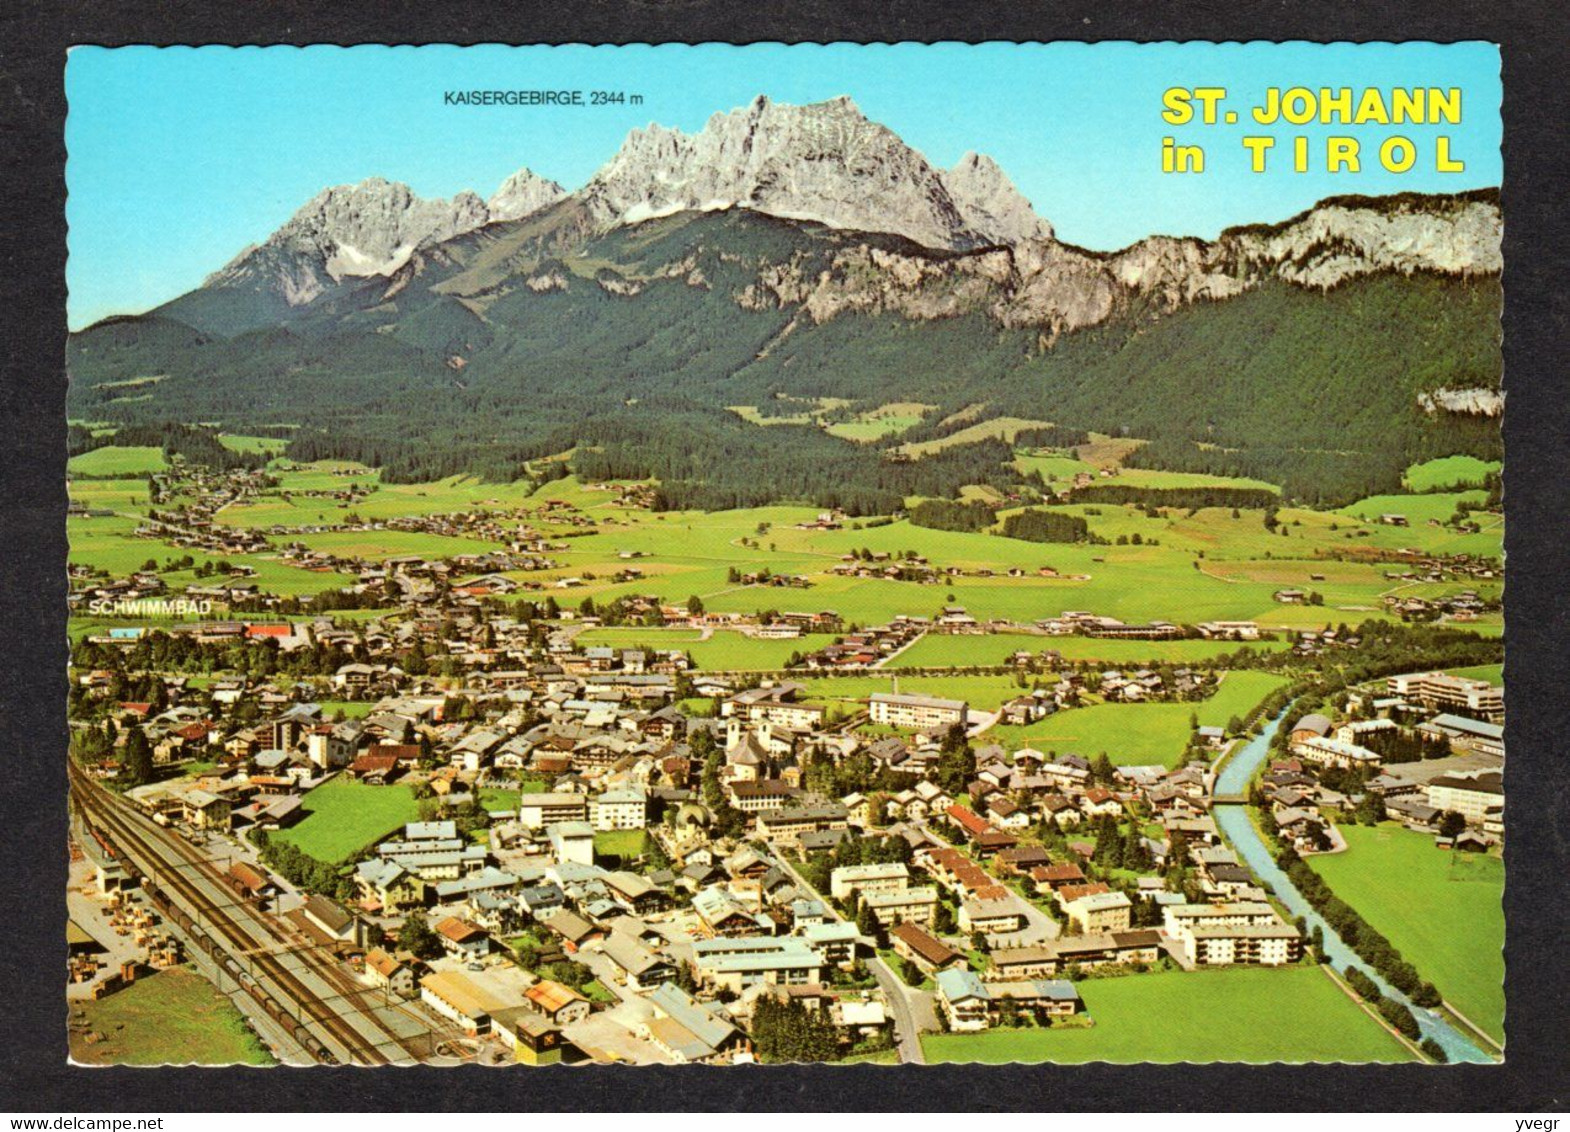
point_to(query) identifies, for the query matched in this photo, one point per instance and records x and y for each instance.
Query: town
(503, 804)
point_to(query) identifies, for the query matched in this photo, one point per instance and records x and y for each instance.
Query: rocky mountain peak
(824, 162)
(990, 204)
(523, 194)
(349, 231)
(372, 227)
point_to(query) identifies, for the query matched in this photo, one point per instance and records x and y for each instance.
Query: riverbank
(1235, 824)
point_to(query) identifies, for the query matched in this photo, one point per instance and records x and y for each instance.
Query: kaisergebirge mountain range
(805, 262)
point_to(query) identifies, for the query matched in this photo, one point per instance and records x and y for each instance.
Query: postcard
(731, 555)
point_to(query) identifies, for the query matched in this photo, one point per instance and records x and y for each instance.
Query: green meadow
(1141, 734)
(1440, 909)
(941, 650)
(886, 420)
(115, 461)
(172, 1017)
(1292, 1014)
(1053, 466)
(725, 650)
(983, 693)
(1189, 566)
(622, 843)
(1449, 472)
(1493, 673)
(272, 445)
(343, 817)
(374, 546)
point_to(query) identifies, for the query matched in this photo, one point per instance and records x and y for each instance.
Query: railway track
(251, 952)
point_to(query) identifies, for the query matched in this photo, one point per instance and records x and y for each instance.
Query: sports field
(1441, 910)
(343, 817)
(1294, 1014)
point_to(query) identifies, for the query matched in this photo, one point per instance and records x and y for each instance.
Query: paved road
(896, 992)
(883, 662)
(893, 987)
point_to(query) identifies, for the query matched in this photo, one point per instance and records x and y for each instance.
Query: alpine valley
(779, 602)
(707, 308)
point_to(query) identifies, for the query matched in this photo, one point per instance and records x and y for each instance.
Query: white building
(573, 841)
(621, 809)
(893, 709)
(1472, 795)
(892, 877)
(1263, 945)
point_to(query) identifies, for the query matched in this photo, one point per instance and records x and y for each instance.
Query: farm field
(1441, 910)
(173, 1017)
(1140, 734)
(272, 445)
(1449, 472)
(940, 650)
(117, 495)
(1200, 1016)
(1146, 477)
(343, 817)
(116, 461)
(1005, 428)
(374, 546)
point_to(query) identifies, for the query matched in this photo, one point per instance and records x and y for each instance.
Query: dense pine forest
(630, 364)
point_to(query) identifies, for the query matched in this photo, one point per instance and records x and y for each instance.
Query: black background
(34, 1074)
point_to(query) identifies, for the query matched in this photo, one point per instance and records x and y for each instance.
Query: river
(1250, 845)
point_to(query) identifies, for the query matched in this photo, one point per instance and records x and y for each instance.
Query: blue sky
(180, 157)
